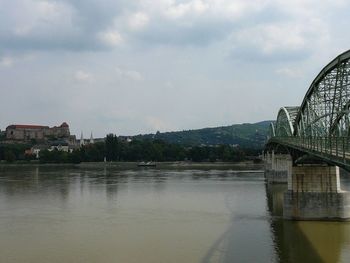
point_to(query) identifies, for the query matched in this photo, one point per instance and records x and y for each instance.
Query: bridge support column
(314, 194)
(277, 167)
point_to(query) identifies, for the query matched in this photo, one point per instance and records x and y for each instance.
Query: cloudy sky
(131, 67)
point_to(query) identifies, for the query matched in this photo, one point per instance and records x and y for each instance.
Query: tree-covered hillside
(247, 135)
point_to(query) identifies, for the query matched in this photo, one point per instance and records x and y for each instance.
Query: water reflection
(246, 238)
(69, 214)
(305, 241)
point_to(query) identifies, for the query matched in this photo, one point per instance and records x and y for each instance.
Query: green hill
(247, 135)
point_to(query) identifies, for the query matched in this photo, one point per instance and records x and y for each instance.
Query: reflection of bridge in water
(309, 143)
(299, 242)
(245, 238)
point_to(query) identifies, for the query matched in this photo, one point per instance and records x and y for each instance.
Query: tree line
(115, 149)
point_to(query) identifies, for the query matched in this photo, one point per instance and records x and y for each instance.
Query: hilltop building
(20, 132)
(41, 137)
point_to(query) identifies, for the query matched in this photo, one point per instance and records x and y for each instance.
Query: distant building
(20, 132)
(60, 146)
(82, 142)
(91, 139)
(35, 150)
(125, 138)
(28, 152)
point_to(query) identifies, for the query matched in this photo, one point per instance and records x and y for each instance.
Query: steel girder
(285, 120)
(325, 108)
(272, 132)
(321, 125)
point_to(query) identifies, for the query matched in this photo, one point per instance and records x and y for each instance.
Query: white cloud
(289, 72)
(83, 76)
(169, 85)
(195, 7)
(236, 9)
(271, 38)
(44, 16)
(158, 124)
(138, 21)
(22, 30)
(293, 38)
(128, 74)
(283, 40)
(216, 9)
(110, 38)
(7, 62)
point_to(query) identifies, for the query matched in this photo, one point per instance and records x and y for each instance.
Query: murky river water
(56, 214)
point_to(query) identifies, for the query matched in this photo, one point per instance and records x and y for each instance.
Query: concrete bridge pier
(277, 167)
(314, 194)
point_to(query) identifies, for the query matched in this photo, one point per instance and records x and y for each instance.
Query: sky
(141, 66)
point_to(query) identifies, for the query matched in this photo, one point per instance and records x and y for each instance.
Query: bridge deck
(332, 150)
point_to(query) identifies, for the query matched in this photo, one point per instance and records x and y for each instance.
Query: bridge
(309, 143)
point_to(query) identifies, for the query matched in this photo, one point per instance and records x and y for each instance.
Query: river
(107, 214)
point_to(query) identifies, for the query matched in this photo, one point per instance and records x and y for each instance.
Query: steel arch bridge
(320, 127)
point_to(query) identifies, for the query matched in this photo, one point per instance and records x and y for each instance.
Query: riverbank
(246, 165)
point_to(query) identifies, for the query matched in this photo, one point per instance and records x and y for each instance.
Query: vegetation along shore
(115, 149)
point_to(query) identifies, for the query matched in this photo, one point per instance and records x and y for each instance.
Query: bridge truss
(321, 125)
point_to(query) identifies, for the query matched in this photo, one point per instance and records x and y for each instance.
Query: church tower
(91, 139)
(82, 142)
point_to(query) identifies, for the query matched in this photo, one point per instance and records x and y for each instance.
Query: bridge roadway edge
(330, 159)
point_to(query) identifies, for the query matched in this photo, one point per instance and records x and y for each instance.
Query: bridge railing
(332, 147)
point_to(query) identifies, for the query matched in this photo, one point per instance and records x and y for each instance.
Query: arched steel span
(285, 121)
(321, 125)
(272, 132)
(325, 108)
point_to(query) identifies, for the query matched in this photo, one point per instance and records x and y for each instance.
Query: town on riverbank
(43, 144)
